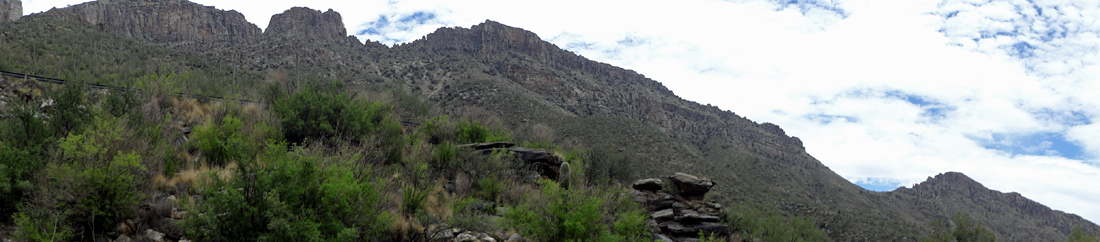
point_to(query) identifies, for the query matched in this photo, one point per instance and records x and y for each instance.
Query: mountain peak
(10, 10)
(952, 181)
(301, 22)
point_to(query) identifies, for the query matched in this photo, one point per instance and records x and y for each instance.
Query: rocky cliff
(167, 21)
(11, 10)
(309, 24)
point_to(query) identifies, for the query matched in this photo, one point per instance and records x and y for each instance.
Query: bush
(467, 131)
(294, 196)
(572, 215)
(222, 142)
(773, 227)
(490, 188)
(323, 113)
(965, 229)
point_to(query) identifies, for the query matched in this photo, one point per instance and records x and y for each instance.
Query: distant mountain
(510, 73)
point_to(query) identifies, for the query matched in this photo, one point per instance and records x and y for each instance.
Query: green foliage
(119, 103)
(324, 113)
(965, 230)
(467, 131)
(490, 188)
(40, 229)
(443, 155)
(438, 130)
(16, 167)
(773, 227)
(1079, 235)
(70, 111)
(412, 199)
(294, 196)
(224, 141)
(111, 192)
(573, 215)
(606, 166)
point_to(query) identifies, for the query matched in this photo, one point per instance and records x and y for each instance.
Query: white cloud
(885, 91)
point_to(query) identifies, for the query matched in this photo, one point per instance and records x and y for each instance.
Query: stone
(465, 237)
(515, 238)
(123, 238)
(178, 215)
(660, 204)
(124, 229)
(677, 229)
(662, 215)
(662, 238)
(11, 10)
(651, 184)
(719, 229)
(691, 216)
(154, 235)
(690, 187)
(486, 238)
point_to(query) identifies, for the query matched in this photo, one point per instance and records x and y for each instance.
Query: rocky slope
(11, 10)
(510, 73)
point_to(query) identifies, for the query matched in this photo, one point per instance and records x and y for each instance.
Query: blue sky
(885, 93)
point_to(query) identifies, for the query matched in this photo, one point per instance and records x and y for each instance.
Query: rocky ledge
(684, 214)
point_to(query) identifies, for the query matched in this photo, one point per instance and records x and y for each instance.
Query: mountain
(509, 75)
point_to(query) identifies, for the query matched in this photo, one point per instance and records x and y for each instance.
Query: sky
(884, 93)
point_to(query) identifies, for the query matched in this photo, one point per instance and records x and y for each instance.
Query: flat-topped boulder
(690, 187)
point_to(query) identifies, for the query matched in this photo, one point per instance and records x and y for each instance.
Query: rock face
(167, 21)
(681, 216)
(305, 23)
(11, 10)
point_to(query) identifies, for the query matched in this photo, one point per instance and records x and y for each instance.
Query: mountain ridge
(519, 62)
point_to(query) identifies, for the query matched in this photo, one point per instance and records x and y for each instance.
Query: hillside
(500, 74)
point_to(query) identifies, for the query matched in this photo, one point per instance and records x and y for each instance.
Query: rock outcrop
(167, 21)
(11, 10)
(309, 24)
(547, 164)
(683, 215)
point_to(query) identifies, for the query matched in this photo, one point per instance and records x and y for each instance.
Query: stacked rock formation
(681, 216)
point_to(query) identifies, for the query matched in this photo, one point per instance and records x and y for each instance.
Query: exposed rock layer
(11, 10)
(309, 24)
(164, 21)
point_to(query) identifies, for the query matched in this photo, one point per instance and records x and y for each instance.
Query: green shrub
(467, 131)
(965, 229)
(222, 142)
(323, 113)
(412, 199)
(490, 188)
(773, 227)
(294, 196)
(438, 130)
(70, 111)
(443, 156)
(1079, 235)
(558, 214)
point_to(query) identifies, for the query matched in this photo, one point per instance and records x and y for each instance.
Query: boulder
(515, 238)
(651, 184)
(465, 237)
(123, 238)
(690, 187)
(662, 215)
